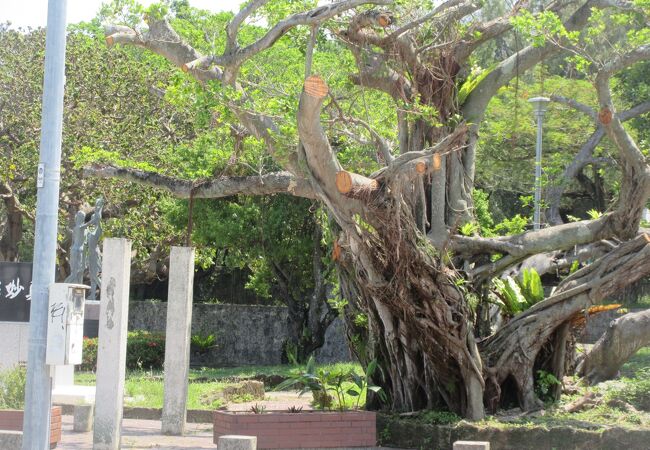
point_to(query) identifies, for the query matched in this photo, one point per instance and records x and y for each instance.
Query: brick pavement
(142, 434)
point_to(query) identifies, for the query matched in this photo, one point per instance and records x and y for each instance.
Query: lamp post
(38, 389)
(539, 108)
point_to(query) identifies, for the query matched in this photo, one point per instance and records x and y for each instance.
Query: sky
(33, 13)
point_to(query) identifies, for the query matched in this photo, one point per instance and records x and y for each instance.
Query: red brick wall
(12, 420)
(300, 430)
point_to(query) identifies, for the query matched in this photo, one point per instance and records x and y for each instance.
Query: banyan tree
(396, 245)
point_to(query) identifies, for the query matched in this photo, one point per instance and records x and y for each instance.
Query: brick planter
(12, 420)
(309, 429)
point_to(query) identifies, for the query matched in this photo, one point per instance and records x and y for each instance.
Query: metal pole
(538, 171)
(539, 105)
(36, 427)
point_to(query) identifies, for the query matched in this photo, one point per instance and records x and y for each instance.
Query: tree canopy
(391, 117)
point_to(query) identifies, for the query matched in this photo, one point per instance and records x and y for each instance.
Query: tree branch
(588, 110)
(233, 27)
(477, 101)
(233, 60)
(271, 183)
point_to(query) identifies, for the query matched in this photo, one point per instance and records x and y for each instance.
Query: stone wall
(245, 334)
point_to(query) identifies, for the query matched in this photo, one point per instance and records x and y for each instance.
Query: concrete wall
(245, 334)
(14, 337)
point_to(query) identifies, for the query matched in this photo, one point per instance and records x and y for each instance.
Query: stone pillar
(177, 339)
(83, 418)
(471, 445)
(111, 351)
(234, 442)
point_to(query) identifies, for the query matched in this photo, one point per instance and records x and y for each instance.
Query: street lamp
(539, 108)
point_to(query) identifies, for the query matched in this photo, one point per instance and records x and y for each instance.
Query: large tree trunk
(623, 338)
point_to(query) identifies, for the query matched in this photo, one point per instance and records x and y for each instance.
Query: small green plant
(467, 229)
(544, 383)
(333, 387)
(338, 304)
(294, 409)
(291, 350)
(12, 388)
(203, 343)
(594, 214)
(258, 409)
(361, 320)
(517, 295)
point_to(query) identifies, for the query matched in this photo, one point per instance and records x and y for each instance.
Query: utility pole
(539, 108)
(38, 392)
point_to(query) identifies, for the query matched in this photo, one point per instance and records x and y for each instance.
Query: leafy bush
(144, 350)
(344, 385)
(89, 355)
(12, 388)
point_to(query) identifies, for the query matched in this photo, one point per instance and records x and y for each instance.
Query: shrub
(144, 350)
(12, 388)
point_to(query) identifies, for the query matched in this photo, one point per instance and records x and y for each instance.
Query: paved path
(145, 434)
(142, 434)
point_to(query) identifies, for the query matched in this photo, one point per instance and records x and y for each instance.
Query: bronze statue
(84, 250)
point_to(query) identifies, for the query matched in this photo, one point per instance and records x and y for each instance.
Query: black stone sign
(15, 291)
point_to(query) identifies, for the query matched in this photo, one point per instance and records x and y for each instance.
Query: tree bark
(623, 338)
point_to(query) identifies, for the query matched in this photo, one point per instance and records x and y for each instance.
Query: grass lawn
(145, 389)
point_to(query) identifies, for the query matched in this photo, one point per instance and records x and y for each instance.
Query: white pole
(36, 427)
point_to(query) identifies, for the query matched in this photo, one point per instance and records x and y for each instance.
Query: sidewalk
(142, 434)
(145, 434)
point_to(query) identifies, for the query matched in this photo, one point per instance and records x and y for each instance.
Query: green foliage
(144, 350)
(467, 229)
(531, 286)
(258, 409)
(89, 354)
(472, 81)
(334, 388)
(436, 417)
(517, 295)
(514, 225)
(12, 388)
(482, 212)
(338, 304)
(593, 214)
(544, 382)
(203, 343)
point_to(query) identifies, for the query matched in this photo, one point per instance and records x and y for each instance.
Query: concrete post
(111, 352)
(233, 442)
(83, 418)
(177, 339)
(471, 445)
